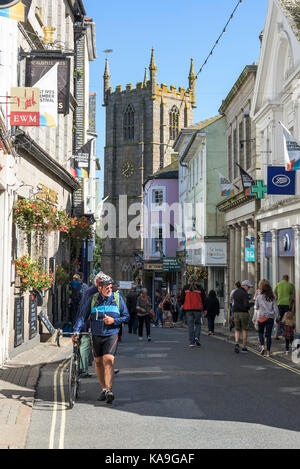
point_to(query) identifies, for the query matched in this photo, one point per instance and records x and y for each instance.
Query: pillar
(261, 244)
(237, 250)
(244, 264)
(297, 274)
(274, 257)
(251, 265)
(231, 257)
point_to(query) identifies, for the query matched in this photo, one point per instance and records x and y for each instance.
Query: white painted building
(277, 98)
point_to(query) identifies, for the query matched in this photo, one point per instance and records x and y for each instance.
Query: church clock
(127, 170)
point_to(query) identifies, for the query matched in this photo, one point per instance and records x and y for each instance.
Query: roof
(236, 87)
(291, 10)
(202, 125)
(169, 172)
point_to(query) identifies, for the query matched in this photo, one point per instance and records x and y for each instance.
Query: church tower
(142, 124)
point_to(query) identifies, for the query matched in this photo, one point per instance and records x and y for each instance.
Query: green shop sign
(172, 264)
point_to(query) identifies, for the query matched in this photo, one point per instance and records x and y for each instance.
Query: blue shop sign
(268, 245)
(250, 249)
(280, 181)
(286, 243)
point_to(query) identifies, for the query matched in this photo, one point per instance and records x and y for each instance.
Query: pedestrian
(194, 304)
(241, 307)
(213, 310)
(266, 313)
(144, 308)
(289, 328)
(75, 297)
(236, 286)
(131, 301)
(107, 313)
(157, 309)
(174, 309)
(284, 294)
(167, 308)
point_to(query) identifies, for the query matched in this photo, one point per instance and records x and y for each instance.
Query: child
(289, 326)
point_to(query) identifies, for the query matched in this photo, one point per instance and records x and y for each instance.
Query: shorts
(105, 345)
(241, 321)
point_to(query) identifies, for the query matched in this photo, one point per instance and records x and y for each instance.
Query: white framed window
(158, 197)
(158, 242)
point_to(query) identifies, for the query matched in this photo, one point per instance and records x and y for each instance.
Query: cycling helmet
(102, 279)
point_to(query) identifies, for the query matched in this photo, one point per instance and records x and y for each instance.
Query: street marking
(55, 407)
(282, 365)
(64, 408)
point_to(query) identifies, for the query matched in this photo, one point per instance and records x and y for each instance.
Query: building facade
(160, 238)
(202, 154)
(276, 99)
(36, 165)
(142, 125)
(240, 210)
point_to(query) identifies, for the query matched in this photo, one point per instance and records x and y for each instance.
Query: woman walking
(167, 307)
(213, 310)
(143, 307)
(194, 304)
(267, 313)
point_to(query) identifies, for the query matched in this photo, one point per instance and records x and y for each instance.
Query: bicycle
(75, 370)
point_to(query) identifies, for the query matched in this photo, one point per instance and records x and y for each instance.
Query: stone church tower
(142, 124)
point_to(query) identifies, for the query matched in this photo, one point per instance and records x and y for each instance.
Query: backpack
(76, 292)
(116, 298)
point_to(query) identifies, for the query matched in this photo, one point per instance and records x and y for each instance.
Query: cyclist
(107, 313)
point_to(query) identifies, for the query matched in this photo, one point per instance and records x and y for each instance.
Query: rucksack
(116, 298)
(76, 292)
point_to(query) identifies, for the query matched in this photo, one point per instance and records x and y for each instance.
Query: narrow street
(170, 396)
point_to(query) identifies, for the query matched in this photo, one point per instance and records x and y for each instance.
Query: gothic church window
(129, 123)
(174, 123)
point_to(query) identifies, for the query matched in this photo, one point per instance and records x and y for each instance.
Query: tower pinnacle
(106, 78)
(192, 83)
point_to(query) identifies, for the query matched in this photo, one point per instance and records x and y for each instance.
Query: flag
(247, 181)
(101, 208)
(227, 188)
(291, 150)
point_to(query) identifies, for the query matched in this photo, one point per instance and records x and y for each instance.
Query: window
(174, 123)
(235, 154)
(230, 168)
(157, 242)
(248, 142)
(129, 123)
(158, 197)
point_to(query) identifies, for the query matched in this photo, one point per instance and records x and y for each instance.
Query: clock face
(127, 169)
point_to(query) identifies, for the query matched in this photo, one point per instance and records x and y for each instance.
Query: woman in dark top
(167, 308)
(213, 310)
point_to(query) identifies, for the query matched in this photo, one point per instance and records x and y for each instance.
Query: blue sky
(178, 31)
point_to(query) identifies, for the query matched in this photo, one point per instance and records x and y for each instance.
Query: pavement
(19, 380)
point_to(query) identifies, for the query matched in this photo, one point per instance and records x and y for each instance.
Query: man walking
(193, 299)
(284, 294)
(107, 313)
(241, 307)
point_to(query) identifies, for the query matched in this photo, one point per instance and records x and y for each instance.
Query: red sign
(25, 107)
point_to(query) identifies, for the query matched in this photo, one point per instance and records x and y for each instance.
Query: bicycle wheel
(73, 380)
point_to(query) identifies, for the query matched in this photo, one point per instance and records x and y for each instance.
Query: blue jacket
(103, 306)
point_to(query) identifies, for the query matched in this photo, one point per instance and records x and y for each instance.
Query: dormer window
(129, 123)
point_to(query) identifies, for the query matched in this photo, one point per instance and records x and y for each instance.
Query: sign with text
(171, 264)
(48, 98)
(250, 249)
(36, 69)
(25, 107)
(19, 321)
(215, 254)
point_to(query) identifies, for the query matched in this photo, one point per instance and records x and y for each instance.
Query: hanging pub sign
(280, 181)
(14, 10)
(37, 68)
(25, 107)
(80, 163)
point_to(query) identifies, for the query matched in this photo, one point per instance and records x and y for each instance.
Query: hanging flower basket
(32, 275)
(81, 229)
(63, 222)
(196, 273)
(34, 215)
(62, 275)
